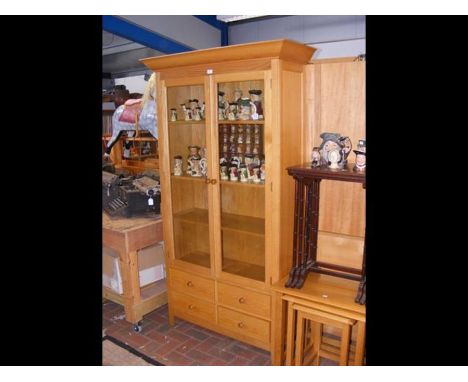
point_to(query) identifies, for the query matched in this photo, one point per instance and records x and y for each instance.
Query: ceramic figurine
(193, 161)
(224, 173)
(262, 171)
(248, 148)
(187, 112)
(256, 129)
(173, 115)
(225, 138)
(315, 157)
(225, 129)
(235, 161)
(232, 114)
(256, 174)
(249, 159)
(233, 174)
(337, 146)
(360, 164)
(193, 104)
(225, 147)
(255, 96)
(334, 157)
(243, 173)
(346, 147)
(203, 162)
(223, 106)
(237, 96)
(196, 113)
(256, 149)
(240, 138)
(178, 165)
(196, 167)
(257, 161)
(247, 108)
(202, 111)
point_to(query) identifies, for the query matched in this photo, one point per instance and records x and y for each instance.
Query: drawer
(190, 307)
(245, 300)
(194, 285)
(244, 324)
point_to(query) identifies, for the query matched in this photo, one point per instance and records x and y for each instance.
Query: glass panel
(187, 146)
(242, 178)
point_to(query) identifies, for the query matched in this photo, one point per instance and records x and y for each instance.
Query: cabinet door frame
(165, 171)
(265, 76)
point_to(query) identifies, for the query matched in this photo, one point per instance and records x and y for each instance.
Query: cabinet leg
(277, 330)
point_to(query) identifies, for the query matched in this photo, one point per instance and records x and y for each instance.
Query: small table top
(346, 174)
(123, 224)
(339, 292)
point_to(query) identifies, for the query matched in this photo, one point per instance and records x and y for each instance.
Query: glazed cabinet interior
(227, 202)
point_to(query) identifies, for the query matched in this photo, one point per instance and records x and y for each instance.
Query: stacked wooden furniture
(301, 315)
(228, 242)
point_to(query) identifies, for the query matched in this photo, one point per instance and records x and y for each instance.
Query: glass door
(189, 155)
(241, 152)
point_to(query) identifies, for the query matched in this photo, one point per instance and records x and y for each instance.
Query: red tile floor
(183, 344)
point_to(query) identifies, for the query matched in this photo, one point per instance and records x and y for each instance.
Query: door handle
(207, 181)
(213, 181)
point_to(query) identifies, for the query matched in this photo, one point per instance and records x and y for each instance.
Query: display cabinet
(230, 121)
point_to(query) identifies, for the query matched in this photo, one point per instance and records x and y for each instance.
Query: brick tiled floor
(183, 344)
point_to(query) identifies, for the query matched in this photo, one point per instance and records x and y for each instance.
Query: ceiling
(121, 56)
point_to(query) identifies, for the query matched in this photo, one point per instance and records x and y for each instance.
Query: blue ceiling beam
(222, 26)
(142, 36)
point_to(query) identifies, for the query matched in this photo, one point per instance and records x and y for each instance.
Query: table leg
(299, 339)
(131, 285)
(344, 346)
(290, 334)
(360, 343)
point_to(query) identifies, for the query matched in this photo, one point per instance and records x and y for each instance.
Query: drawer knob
(241, 300)
(189, 284)
(207, 181)
(191, 307)
(240, 324)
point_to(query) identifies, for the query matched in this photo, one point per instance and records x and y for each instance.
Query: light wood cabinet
(228, 241)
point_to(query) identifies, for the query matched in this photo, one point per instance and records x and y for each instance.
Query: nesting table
(322, 300)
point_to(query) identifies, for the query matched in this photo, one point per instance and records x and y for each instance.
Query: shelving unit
(227, 236)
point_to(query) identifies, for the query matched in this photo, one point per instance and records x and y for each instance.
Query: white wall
(333, 36)
(135, 84)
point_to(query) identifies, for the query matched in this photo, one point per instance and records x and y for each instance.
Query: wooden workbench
(328, 293)
(127, 236)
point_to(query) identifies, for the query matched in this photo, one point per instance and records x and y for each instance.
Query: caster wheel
(137, 328)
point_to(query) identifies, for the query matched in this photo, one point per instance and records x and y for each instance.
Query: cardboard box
(111, 277)
(150, 264)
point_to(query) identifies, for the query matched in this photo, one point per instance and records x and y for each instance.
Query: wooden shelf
(153, 289)
(197, 258)
(241, 184)
(242, 122)
(188, 178)
(147, 292)
(240, 268)
(239, 223)
(187, 122)
(136, 157)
